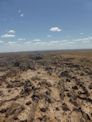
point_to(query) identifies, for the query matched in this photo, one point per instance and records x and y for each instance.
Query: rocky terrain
(46, 87)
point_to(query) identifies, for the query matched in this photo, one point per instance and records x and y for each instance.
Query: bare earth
(46, 86)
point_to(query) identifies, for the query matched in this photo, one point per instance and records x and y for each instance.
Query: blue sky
(45, 24)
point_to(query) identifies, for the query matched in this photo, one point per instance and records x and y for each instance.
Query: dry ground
(46, 87)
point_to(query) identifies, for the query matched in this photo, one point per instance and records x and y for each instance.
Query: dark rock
(47, 93)
(65, 107)
(15, 118)
(68, 80)
(48, 99)
(28, 103)
(44, 118)
(64, 74)
(90, 86)
(3, 110)
(86, 99)
(43, 109)
(35, 97)
(57, 109)
(74, 102)
(26, 88)
(68, 94)
(75, 87)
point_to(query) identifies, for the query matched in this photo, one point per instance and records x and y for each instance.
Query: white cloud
(37, 40)
(8, 35)
(86, 41)
(12, 31)
(10, 42)
(81, 33)
(89, 38)
(59, 43)
(22, 15)
(27, 42)
(34, 41)
(38, 44)
(55, 29)
(54, 42)
(1, 41)
(21, 39)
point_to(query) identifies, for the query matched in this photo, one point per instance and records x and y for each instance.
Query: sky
(31, 25)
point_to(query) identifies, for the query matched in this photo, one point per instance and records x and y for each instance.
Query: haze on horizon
(29, 25)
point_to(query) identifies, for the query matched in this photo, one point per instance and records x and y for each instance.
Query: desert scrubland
(51, 86)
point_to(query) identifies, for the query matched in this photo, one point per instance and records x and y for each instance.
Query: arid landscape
(52, 86)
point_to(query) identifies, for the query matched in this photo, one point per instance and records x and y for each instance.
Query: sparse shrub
(17, 64)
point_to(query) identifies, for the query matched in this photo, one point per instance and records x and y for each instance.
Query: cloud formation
(22, 15)
(39, 44)
(1, 42)
(12, 31)
(36, 40)
(10, 42)
(55, 29)
(82, 33)
(21, 39)
(9, 34)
